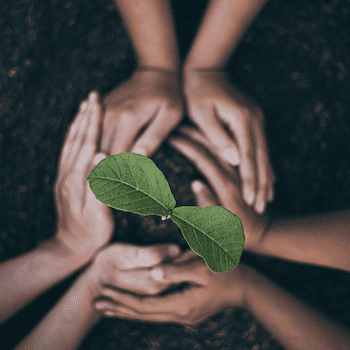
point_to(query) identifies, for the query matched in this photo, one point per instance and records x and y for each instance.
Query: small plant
(133, 183)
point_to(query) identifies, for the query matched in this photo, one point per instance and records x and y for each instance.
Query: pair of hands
(85, 225)
(154, 100)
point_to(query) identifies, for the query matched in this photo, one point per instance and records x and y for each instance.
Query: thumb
(186, 271)
(203, 195)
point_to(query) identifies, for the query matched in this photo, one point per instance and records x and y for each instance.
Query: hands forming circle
(85, 225)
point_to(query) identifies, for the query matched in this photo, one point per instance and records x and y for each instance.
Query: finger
(124, 133)
(71, 135)
(80, 135)
(203, 195)
(264, 183)
(131, 257)
(120, 311)
(94, 112)
(158, 130)
(246, 143)
(209, 168)
(88, 138)
(149, 305)
(223, 145)
(81, 156)
(185, 271)
(194, 134)
(187, 255)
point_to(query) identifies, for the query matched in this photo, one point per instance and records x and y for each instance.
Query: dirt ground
(294, 59)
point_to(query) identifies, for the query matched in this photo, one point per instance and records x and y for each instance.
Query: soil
(294, 59)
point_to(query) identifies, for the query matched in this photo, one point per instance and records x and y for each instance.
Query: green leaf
(132, 183)
(214, 233)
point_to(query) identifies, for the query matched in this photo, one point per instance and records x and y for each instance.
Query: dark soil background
(294, 59)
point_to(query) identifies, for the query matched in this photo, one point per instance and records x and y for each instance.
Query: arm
(24, 278)
(315, 239)
(295, 325)
(151, 29)
(68, 322)
(222, 28)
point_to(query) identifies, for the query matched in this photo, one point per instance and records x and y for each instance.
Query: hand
(207, 294)
(127, 266)
(223, 179)
(84, 223)
(213, 101)
(149, 99)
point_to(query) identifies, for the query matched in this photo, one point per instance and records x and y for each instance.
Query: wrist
(192, 76)
(153, 72)
(166, 68)
(77, 253)
(263, 226)
(249, 278)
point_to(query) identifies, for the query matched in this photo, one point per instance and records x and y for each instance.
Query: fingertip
(140, 150)
(197, 186)
(260, 207)
(249, 195)
(93, 96)
(83, 106)
(174, 251)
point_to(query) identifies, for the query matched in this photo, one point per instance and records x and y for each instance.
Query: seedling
(133, 183)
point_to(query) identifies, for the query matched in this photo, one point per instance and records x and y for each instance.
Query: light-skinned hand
(150, 99)
(207, 294)
(84, 223)
(213, 102)
(224, 182)
(128, 266)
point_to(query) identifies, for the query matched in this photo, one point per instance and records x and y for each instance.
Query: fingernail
(83, 106)
(157, 273)
(92, 96)
(231, 156)
(140, 150)
(197, 186)
(174, 251)
(249, 195)
(260, 207)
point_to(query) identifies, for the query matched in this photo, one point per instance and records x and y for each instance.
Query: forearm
(151, 28)
(67, 323)
(322, 239)
(295, 325)
(24, 278)
(222, 28)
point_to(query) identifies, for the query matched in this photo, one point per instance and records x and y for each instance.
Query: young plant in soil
(133, 183)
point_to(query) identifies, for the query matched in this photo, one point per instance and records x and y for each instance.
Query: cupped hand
(223, 179)
(213, 103)
(207, 293)
(128, 267)
(150, 99)
(84, 223)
